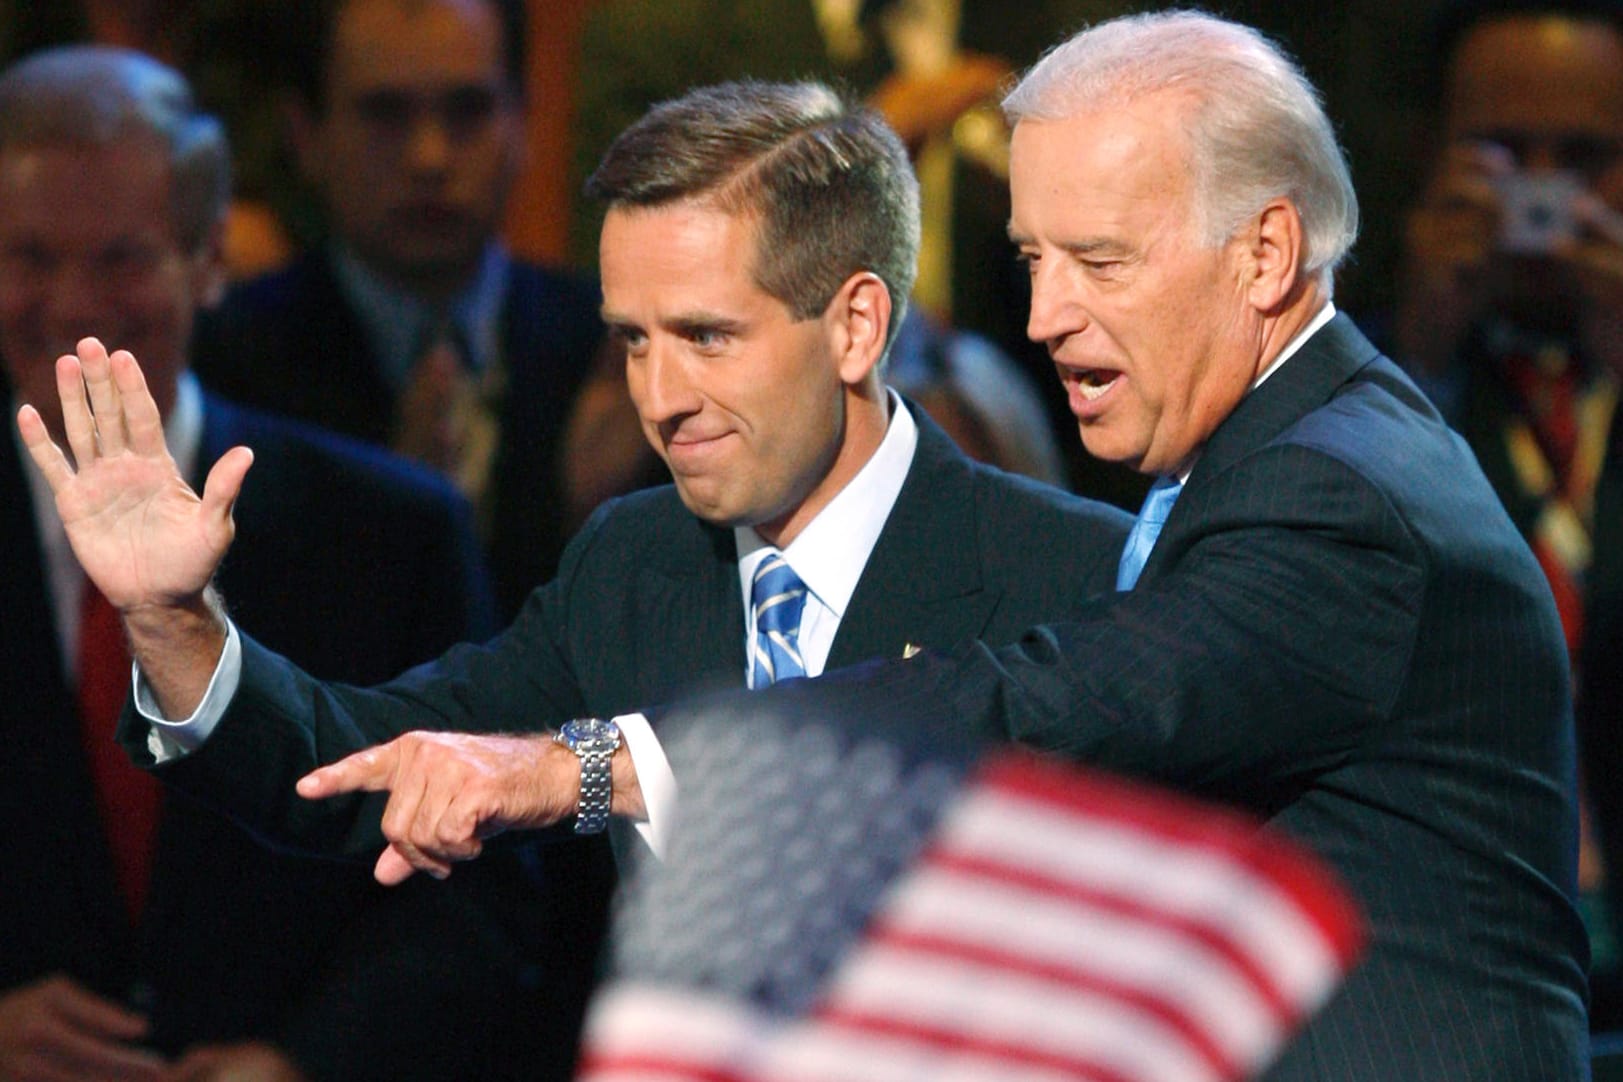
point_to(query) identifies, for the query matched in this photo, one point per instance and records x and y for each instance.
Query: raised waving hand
(139, 530)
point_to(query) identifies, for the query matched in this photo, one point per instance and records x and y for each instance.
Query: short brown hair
(829, 181)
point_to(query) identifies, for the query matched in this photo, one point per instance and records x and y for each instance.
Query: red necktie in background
(126, 796)
(1548, 391)
(1547, 388)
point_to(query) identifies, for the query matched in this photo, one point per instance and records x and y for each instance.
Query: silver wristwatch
(595, 741)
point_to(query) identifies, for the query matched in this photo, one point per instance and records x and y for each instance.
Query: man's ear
(1273, 255)
(208, 267)
(860, 322)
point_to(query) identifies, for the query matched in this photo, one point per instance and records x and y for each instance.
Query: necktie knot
(777, 599)
(1146, 528)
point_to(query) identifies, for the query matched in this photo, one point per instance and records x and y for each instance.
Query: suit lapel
(216, 439)
(1325, 362)
(357, 390)
(690, 615)
(922, 584)
(28, 631)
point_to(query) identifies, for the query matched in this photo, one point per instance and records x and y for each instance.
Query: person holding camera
(1513, 269)
(1510, 315)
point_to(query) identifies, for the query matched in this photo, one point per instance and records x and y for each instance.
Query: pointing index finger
(369, 771)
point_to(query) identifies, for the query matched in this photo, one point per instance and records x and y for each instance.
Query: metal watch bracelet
(594, 741)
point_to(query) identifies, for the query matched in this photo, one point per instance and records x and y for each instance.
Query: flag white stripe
(635, 1020)
(1160, 961)
(991, 1005)
(1104, 855)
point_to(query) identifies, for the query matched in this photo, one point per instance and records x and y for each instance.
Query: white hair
(1257, 130)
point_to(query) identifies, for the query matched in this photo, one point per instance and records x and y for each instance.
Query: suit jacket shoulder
(972, 552)
(289, 343)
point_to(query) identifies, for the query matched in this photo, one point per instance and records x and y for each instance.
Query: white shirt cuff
(654, 778)
(168, 739)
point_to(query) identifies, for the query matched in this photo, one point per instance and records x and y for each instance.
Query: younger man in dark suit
(411, 326)
(759, 247)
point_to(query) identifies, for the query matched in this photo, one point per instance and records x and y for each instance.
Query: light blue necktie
(1146, 528)
(778, 598)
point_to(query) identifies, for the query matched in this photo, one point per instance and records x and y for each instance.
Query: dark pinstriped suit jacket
(1340, 630)
(647, 607)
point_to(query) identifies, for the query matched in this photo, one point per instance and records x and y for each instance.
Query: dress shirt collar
(830, 553)
(1298, 340)
(396, 323)
(182, 431)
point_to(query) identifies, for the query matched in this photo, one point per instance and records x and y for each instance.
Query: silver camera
(1536, 211)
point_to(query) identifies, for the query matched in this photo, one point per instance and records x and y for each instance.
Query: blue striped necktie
(778, 597)
(1146, 528)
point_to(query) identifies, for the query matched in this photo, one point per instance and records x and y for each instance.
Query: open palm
(140, 532)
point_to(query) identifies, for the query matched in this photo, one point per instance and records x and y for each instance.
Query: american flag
(832, 911)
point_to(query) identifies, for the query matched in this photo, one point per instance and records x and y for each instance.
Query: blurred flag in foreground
(834, 911)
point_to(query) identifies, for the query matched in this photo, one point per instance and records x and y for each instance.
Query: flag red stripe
(936, 1037)
(1237, 838)
(663, 1065)
(1166, 1010)
(1132, 907)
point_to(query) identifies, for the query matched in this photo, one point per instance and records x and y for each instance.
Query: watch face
(591, 734)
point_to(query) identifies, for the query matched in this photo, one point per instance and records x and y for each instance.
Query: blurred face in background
(1543, 94)
(89, 246)
(1548, 89)
(418, 144)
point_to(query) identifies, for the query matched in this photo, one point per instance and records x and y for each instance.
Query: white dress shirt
(1325, 315)
(829, 555)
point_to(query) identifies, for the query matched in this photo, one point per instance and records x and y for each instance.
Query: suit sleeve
(1257, 651)
(283, 723)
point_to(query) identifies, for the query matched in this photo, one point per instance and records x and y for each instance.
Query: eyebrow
(685, 323)
(699, 321)
(1097, 246)
(1087, 246)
